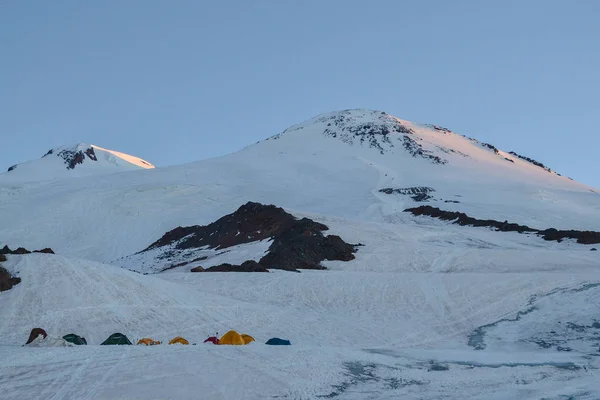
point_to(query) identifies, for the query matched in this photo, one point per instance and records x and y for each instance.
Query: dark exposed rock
(531, 160)
(246, 266)
(2, 257)
(439, 128)
(46, 250)
(582, 237)
(593, 249)
(91, 154)
(381, 134)
(452, 201)
(7, 281)
(419, 193)
(12, 168)
(74, 157)
(464, 219)
(296, 243)
(251, 222)
(416, 150)
(22, 250)
(508, 159)
(181, 264)
(491, 147)
(198, 269)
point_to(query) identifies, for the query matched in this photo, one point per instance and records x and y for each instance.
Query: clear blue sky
(178, 81)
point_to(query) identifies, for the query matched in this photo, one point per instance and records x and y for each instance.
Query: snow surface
(427, 310)
(52, 166)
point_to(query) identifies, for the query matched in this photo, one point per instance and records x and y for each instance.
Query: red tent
(35, 332)
(212, 339)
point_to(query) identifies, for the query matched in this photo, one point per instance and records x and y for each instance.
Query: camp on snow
(178, 340)
(116, 339)
(278, 342)
(212, 339)
(75, 339)
(148, 342)
(35, 332)
(247, 338)
(230, 338)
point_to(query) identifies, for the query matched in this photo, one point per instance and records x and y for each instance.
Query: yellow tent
(232, 337)
(179, 340)
(147, 342)
(247, 338)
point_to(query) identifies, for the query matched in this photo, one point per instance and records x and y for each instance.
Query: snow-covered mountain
(352, 164)
(412, 304)
(73, 161)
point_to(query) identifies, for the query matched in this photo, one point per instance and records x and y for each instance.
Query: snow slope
(352, 332)
(427, 310)
(73, 161)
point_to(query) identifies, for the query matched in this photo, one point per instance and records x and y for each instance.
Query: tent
(212, 339)
(116, 338)
(35, 332)
(233, 338)
(179, 340)
(278, 342)
(49, 341)
(247, 338)
(148, 342)
(73, 338)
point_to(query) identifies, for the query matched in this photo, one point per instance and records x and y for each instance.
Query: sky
(179, 81)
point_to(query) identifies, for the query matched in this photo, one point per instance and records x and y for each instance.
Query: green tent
(73, 338)
(116, 338)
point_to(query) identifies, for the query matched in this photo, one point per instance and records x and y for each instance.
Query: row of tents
(230, 338)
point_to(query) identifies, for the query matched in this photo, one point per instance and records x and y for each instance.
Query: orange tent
(233, 338)
(179, 340)
(148, 342)
(247, 338)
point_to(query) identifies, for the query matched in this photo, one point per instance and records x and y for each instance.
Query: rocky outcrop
(418, 193)
(375, 129)
(7, 281)
(417, 151)
(532, 161)
(296, 243)
(438, 128)
(246, 266)
(181, 264)
(22, 250)
(74, 157)
(491, 147)
(582, 237)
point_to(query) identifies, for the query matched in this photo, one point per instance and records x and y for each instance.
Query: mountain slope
(424, 309)
(390, 328)
(330, 165)
(73, 161)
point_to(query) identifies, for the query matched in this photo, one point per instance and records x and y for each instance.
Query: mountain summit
(74, 161)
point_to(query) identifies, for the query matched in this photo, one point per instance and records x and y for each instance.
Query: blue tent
(278, 342)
